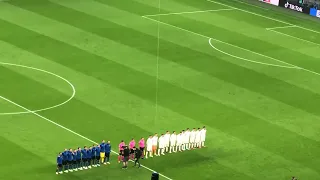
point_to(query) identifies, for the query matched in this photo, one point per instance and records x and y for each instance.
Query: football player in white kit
(203, 133)
(183, 139)
(155, 144)
(187, 139)
(192, 138)
(173, 142)
(198, 138)
(149, 147)
(161, 145)
(179, 142)
(167, 141)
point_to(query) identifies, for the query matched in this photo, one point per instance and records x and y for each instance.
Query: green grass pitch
(254, 85)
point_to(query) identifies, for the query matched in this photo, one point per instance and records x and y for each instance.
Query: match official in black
(138, 154)
(126, 154)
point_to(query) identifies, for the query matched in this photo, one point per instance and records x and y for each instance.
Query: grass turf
(262, 121)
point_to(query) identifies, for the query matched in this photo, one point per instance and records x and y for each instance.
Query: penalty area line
(67, 129)
(188, 12)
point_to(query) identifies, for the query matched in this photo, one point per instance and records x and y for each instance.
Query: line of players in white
(168, 143)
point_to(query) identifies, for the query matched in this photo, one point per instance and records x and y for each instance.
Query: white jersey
(192, 136)
(198, 136)
(149, 144)
(161, 142)
(182, 135)
(173, 139)
(167, 140)
(179, 139)
(203, 135)
(186, 137)
(155, 141)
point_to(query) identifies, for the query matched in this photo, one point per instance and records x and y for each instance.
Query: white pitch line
(239, 1)
(256, 14)
(281, 27)
(252, 61)
(47, 72)
(222, 42)
(284, 34)
(188, 12)
(297, 67)
(73, 132)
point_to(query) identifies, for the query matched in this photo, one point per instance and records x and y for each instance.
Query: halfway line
(73, 132)
(189, 12)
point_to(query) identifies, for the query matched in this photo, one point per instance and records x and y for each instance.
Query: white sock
(202, 143)
(162, 151)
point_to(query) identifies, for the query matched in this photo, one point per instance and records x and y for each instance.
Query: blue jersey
(65, 155)
(59, 160)
(89, 151)
(108, 148)
(98, 149)
(84, 154)
(78, 155)
(103, 147)
(74, 158)
(70, 156)
(94, 151)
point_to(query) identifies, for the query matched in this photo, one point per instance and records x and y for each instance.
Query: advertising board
(273, 2)
(295, 6)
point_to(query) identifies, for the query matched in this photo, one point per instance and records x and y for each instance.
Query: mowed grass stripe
(291, 121)
(254, 81)
(176, 106)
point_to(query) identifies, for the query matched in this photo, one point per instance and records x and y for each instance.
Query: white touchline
(252, 61)
(297, 67)
(47, 72)
(284, 34)
(189, 12)
(67, 129)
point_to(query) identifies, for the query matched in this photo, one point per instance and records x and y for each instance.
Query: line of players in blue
(86, 158)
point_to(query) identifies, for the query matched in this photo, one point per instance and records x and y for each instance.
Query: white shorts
(167, 144)
(173, 143)
(149, 148)
(202, 139)
(197, 140)
(161, 147)
(179, 143)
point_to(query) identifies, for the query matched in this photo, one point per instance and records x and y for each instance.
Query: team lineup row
(88, 157)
